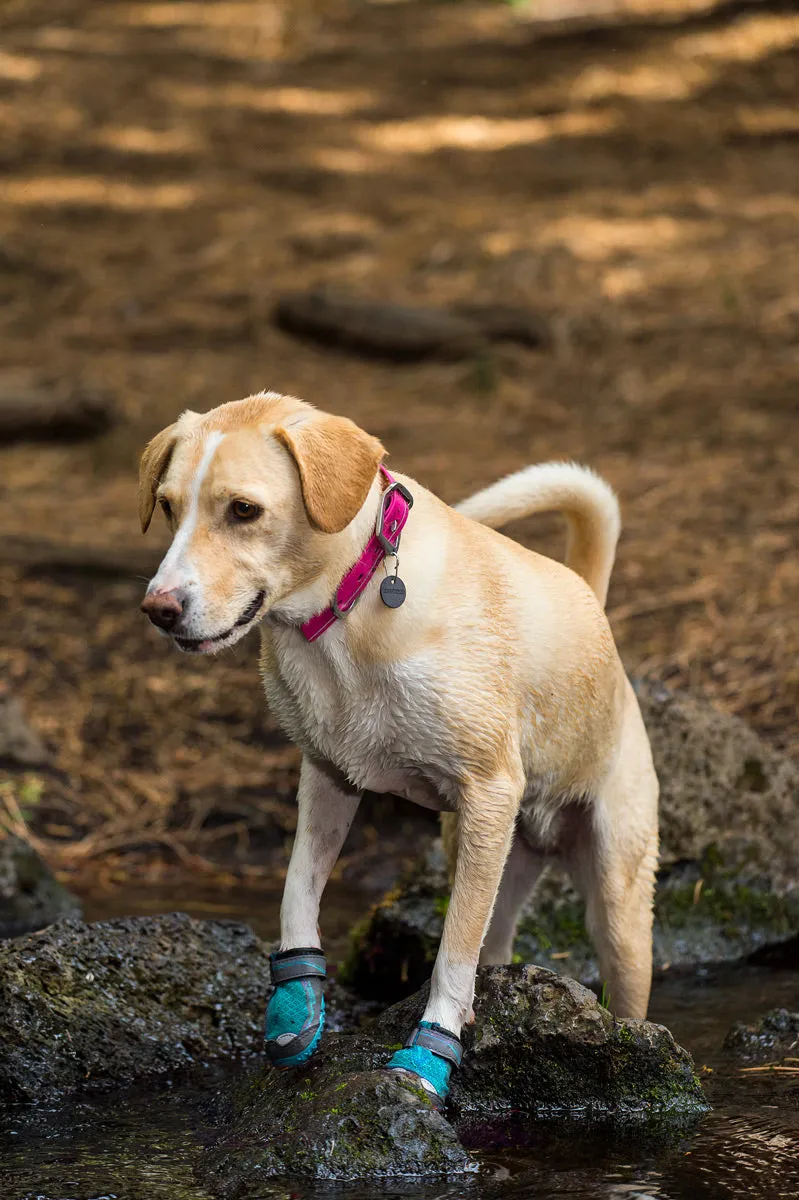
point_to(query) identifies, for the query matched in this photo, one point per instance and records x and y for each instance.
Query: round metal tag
(392, 591)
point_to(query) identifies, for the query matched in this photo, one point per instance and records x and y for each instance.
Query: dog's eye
(166, 508)
(243, 510)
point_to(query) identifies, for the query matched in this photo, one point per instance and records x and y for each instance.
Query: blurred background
(587, 213)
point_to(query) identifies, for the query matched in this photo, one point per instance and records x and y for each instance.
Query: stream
(141, 1145)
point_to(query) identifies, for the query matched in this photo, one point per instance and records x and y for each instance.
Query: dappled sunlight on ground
(429, 134)
(93, 192)
(302, 101)
(749, 39)
(170, 169)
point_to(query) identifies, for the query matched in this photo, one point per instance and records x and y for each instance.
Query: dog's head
(252, 492)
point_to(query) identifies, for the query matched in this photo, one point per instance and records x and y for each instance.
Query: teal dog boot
(295, 1014)
(430, 1053)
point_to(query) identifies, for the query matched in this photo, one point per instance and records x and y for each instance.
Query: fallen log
(36, 409)
(41, 554)
(403, 332)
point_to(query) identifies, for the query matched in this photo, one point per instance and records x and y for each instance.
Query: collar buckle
(395, 486)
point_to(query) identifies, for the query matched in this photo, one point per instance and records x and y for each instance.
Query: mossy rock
(336, 1120)
(722, 787)
(340, 1117)
(393, 948)
(30, 895)
(543, 1044)
(88, 1007)
(541, 1047)
(705, 912)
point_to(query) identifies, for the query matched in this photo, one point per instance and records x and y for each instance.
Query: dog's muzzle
(206, 643)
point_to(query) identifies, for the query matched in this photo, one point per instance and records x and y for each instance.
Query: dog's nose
(164, 608)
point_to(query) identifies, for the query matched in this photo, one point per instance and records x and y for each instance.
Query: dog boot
(295, 1014)
(430, 1053)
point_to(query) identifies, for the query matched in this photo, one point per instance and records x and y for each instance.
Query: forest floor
(168, 170)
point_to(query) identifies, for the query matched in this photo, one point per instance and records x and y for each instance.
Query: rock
(89, 1007)
(781, 956)
(30, 896)
(724, 792)
(340, 1122)
(729, 864)
(20, 745)
(540, 1045)
(331, 244)
(775, 1035)
(544, 1045)
(392, 950)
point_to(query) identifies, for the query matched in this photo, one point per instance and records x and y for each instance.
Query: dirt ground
(168, 169)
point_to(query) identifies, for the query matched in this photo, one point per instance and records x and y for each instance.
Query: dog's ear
(154, 462)
(337, 463)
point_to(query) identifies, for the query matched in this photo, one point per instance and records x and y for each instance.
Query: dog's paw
(295, 1014)
(426, 1069)
(429, 1054)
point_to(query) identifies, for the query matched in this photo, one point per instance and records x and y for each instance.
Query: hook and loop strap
(440, 1041)
(303, 963)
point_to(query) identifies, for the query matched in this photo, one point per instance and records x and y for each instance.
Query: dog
(407, 647)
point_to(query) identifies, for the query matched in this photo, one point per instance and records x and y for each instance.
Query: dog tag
(392, 591)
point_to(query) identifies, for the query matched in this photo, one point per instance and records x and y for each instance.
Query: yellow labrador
(493, 691)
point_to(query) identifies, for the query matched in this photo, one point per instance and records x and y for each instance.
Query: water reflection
(145, 1147)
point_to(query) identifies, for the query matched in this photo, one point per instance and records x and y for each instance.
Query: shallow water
(142, 1146)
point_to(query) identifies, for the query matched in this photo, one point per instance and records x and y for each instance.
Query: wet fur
(495, 694)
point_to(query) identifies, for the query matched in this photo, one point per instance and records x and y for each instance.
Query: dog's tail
(587, 502)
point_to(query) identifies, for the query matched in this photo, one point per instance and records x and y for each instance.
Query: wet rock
(87, 1007)
(544, 1045)
(540, 1045)
(775, 1035)
(726, 888)
(30, 896)
(20, 745)
(337, 1122)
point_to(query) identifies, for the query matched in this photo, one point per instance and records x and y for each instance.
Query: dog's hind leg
(523, 868)
(613, 865)
(618, 895)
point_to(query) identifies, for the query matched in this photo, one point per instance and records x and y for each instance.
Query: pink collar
(395, 504)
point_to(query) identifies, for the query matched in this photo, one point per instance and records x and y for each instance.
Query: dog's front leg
(486, 818)
(295, 1014)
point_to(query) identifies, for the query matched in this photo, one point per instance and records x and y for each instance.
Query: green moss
(732, 907)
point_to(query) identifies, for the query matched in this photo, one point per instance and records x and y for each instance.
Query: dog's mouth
(204, 645)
